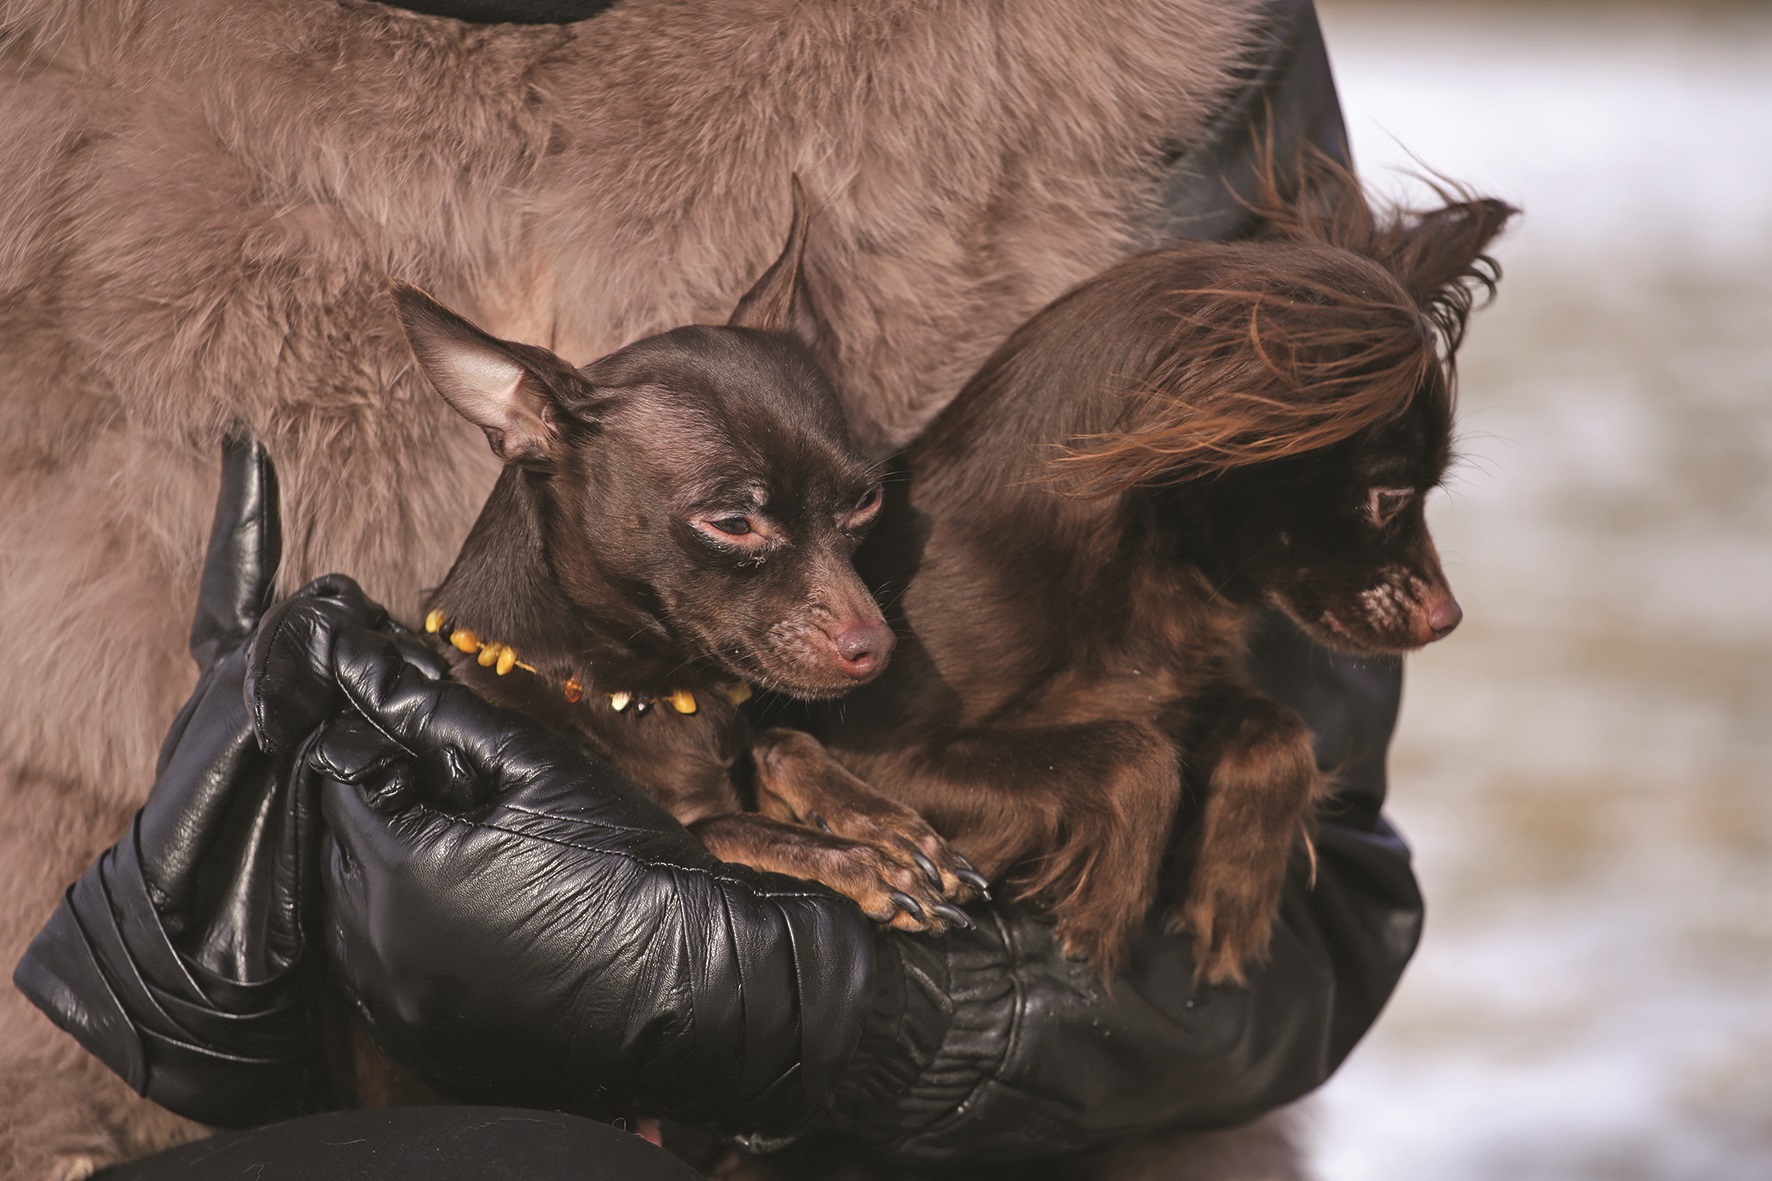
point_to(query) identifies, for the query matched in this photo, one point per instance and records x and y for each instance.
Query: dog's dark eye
(732, 526)
(870, 500)
(1383, 504)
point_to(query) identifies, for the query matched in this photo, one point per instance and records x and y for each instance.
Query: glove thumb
(245, 549)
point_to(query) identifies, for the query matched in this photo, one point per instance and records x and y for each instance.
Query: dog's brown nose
(1442, 617)
(862, 646)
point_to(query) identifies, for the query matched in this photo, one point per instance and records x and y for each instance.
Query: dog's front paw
(888, 886)
(889, 889)
(799, 781)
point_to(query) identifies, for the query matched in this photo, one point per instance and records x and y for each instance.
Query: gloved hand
(565, 943)
(179, 958)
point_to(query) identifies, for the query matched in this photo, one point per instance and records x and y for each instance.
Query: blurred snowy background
(1585, 769)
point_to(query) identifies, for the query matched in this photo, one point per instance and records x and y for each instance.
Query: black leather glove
(567, 944)
(179, 958)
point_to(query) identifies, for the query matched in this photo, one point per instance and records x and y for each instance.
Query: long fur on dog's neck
(201, 202)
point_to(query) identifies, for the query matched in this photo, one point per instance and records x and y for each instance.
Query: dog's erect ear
(510, 391)
(1435, 250)
(779, 301)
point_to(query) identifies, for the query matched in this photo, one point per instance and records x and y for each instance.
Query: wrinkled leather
(566, 943)
(179, 957)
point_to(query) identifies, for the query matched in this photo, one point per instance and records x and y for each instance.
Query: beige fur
(201, 202)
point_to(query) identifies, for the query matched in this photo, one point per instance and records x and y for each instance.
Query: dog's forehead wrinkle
(676, 441)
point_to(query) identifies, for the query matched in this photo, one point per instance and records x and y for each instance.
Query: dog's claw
(927, 866)
(976, 880)
(908, 904)
(954, 915)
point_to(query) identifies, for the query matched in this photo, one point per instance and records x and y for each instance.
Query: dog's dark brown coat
(675, 522)
(1082, 538)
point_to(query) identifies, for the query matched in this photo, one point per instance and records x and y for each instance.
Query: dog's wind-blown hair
(1257, 359)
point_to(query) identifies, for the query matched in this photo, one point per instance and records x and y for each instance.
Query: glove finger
(290, 683)
(245, 549)
(352, 751)
(459, 738)
(416, 652)
(361, 844)
(211, 770)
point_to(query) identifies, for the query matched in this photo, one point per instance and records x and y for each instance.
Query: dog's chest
(684, 761)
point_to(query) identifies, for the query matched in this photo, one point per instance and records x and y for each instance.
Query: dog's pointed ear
(1447, 246)
(510, 391)
(780, 301)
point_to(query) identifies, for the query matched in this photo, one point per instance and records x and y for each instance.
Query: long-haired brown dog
(1082, 539)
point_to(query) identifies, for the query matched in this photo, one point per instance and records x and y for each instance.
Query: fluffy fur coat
(201, 202)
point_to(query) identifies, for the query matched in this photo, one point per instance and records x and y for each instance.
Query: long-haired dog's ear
(780, 301)
(1440, 256)
(514, 392)
(1437, 255)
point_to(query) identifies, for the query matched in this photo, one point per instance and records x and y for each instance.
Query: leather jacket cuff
(226, 1052)
(943, 1021)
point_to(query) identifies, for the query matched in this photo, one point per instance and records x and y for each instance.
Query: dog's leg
(1081, 813)
(1263, 780)
(889, 888)
(798, 780)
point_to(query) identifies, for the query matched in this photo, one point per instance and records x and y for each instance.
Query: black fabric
(416, 1144)
(1288, 107)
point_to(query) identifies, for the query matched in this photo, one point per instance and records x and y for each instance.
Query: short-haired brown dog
(673, 525)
